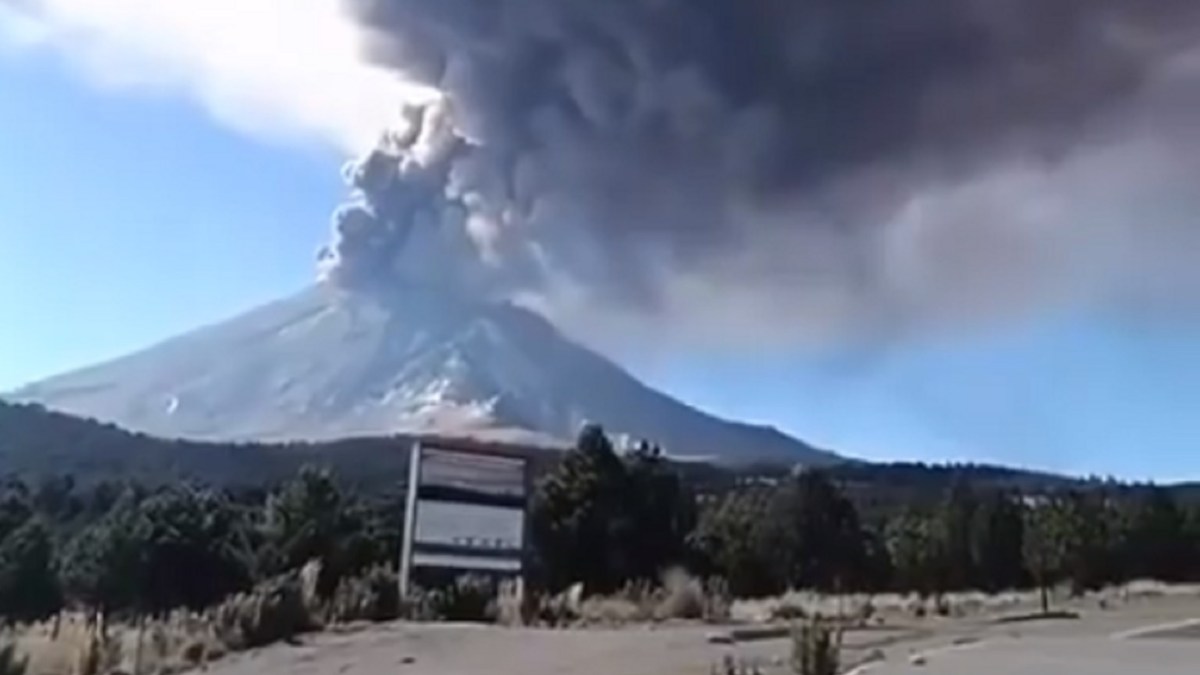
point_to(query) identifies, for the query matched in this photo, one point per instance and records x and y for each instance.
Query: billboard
(468, 510)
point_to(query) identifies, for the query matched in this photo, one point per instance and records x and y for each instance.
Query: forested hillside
(607, 520)
(35, 442)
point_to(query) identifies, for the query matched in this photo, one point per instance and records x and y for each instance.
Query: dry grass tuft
(78, 647)
(472, 597)
(718, 601)
(12, 663)
(279, 609)
(816, 648)
(729, 665)
(374, 596)
(863, 609)
(679, 597)
(273, 612)
(615, 610)
(166, 645)
(513, 607)
(180, 641)
(194, 653)
(683, 597)
(562, 609)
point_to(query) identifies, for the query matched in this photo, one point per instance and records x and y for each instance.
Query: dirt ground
(1117, 637)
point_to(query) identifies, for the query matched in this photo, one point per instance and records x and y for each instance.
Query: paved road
(446, 649)
(1059, 656)
(1103, 642)
(1159, 638)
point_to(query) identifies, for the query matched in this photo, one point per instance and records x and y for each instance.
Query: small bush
(373, 596)
(10, 663)
(680, 596)
(866, 612)
(272, 612)
(942, 606)
(171, 643)
(420, 605)
(816, 649)
(683, 597)
(310, 581)
(733, 666)
(616, 610)
(512, 604)
(101, 652)
(470, 598)
(786, 611)
(718, 602)
(215, 652)
(562, 609)
(194, 652)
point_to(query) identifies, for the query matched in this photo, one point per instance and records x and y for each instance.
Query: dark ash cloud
(837, 164)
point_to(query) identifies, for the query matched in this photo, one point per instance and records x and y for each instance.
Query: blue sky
(128, 216)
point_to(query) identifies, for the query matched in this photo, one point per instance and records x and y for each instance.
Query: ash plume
(806, 165)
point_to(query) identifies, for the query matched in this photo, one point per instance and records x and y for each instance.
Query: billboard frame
(408, 544)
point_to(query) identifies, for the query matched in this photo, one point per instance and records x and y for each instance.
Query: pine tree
(29, 588)
(579, 518)
(813, 536)
(997, 543)
(1044, 546)
(955, 522)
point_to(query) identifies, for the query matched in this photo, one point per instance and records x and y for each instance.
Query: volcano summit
(327, 363)
(405, 333)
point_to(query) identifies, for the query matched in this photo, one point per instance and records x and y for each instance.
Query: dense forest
(35, 443)
(136, 545)
(38, 443)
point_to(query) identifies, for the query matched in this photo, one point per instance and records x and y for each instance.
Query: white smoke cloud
(283, 69)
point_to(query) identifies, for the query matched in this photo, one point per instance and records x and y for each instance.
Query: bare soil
(1113, 637)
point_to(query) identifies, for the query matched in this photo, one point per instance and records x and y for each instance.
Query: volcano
(327, 364)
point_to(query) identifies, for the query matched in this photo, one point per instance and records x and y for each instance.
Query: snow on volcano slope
(325, 364)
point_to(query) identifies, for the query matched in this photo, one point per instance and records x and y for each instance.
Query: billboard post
(410, 517)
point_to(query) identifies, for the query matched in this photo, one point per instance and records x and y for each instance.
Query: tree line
(123, 548)
(598, 517)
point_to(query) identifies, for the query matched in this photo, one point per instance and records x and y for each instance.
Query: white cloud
(18, 29)
(288, 69)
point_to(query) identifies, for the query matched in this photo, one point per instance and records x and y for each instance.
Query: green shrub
(470, 598)
(816, 648)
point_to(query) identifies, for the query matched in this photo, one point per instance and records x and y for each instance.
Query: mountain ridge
(326, 364)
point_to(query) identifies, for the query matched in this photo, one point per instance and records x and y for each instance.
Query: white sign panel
(473, 472)
(475, 526)
(467, 511)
